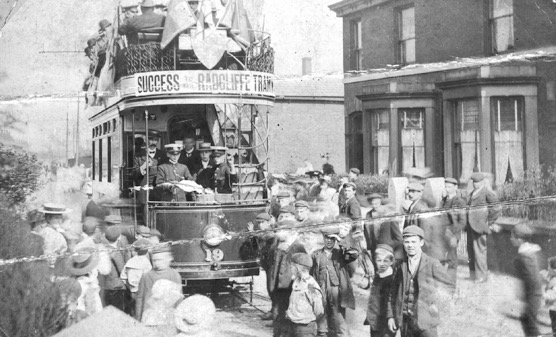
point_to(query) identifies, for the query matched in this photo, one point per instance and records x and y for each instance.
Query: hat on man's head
(330, 231)
(384, 247)
(219, 150)
(83, 261)
(142, 244)
(302, 259)
(355, 170)
(143, 231)
(113, 219)
(374, 196)
(414, 231)
(173, 148)
(450, 181)
(263, 217)
(287, 209)
(194, 314)
(205, 147)
(103, 24)
(91, 42)
(52, 208)
(155, 232)
(162, 248)
(301, 203)
(352, 185)
(283, 194)
(415, 187)
(148, 3)
(112, 233)
(477, 177)
(522, 231)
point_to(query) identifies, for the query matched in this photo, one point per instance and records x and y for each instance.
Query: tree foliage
(19, 174)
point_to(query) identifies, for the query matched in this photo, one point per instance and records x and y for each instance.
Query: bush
(536, 182)
(31, 303)
(19, 175)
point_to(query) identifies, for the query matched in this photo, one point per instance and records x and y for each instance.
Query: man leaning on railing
(148, 19)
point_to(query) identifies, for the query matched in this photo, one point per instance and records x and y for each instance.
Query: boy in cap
(282, 199)
(330, 270)
(302, 213)
(528, 271)
(305, 303)
(376, 308)
(375, 201)
(479, 223)
(135, 268)
(415, 194)
(161, 258)
(286, 213)
(412, 300)
(351, 208)
(113, 288)
(286, 245)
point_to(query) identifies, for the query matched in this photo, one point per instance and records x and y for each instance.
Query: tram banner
(204, 81)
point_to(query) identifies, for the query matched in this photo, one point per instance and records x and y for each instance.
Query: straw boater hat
(148, 3)
(219, 150)
(52, 208)
(83, 261)
(173, 148)
(194, 314)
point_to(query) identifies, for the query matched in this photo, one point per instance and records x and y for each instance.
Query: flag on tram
(180, 17)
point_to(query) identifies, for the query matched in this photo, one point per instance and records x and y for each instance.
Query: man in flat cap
(480, 219)
(359, 186)
(148, 19)
(331, 273)
(415, 194)
(412, 299)
(344, 179)
(375, 201)
(287, 213)
(454, 220)
(281, 199)
(302, 213)
(351, 208)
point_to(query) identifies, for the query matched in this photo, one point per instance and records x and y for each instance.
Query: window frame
(492, 23)
(356, 44)
(401, 41)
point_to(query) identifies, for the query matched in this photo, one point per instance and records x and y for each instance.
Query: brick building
(307, 121)
(450, 85)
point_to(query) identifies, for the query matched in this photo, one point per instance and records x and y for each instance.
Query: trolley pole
(147, 171)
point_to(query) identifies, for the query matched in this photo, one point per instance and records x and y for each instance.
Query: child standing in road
(376, 309)
(161, 259)
(134, 270)
(306, 300)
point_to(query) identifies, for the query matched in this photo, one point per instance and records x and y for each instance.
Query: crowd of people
(313, 241)
(413, 255)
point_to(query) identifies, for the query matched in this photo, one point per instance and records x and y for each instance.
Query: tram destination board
(205, 82)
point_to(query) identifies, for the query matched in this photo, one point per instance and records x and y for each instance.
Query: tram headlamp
(213, 235)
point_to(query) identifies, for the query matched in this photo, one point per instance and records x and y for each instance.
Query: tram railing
(147, 57)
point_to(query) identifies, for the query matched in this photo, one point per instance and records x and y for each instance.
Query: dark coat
(131, 26)
(280, 271)
(351, 209)
(431, 274)
(454, 216)
(412, 219)
(387, 233)
(479, 218)
(224, 179)
(205, 176)
(340, 257)
(192, 162)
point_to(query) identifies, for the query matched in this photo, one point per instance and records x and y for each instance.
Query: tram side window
(100, 160)
(94, 161)
(109, 159)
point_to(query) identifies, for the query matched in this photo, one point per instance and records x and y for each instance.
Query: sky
(44, 58)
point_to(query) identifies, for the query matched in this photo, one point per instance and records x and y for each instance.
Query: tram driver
(170, 173)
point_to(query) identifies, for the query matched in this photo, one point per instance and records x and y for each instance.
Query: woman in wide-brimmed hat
(83, 266)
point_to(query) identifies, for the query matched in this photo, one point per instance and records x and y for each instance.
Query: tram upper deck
(214, 83)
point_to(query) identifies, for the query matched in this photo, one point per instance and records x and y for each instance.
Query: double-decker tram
(206, 86)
